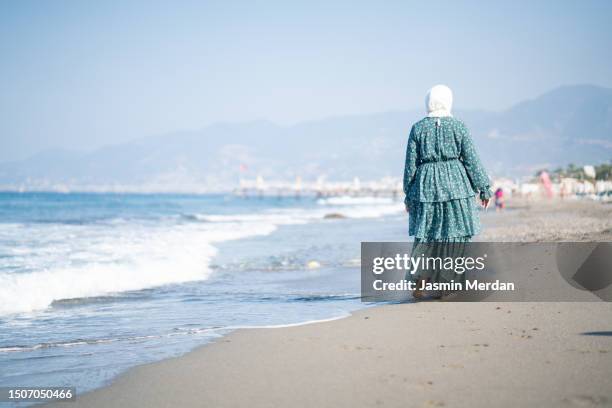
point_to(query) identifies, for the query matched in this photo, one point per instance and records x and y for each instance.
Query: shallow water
(92, 284)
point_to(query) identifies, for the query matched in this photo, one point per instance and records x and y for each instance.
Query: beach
(410, 355)
(549, 221)
(299, 204)
(92, 285)
(426, 354)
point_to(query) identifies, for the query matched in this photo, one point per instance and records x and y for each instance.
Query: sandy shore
(410, 355)
(428, 354)
(548, 221)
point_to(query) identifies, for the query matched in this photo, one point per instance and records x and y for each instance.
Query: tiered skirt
(444, 221)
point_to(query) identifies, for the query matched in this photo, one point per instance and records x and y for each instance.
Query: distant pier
(533, 189)
(258, 187)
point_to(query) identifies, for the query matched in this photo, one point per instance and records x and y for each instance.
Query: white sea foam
(371, 211)
(74, 261)
(275, 217)
(344, 315)
(348, 200)
(350, 207)
(210, 331)
(105, 262)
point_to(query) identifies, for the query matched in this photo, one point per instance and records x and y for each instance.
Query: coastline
(422, 354)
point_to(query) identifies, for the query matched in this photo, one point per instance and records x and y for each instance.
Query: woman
(442, 175)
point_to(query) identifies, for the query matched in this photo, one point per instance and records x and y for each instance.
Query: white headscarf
(439, 101)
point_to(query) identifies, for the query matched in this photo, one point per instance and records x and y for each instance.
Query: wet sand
(428, 354)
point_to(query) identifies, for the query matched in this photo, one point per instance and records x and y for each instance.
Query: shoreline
(263, 367)
(390, 355)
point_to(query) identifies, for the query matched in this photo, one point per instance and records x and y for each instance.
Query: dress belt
(437, 161)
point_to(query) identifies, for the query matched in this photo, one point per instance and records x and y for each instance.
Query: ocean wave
(209, 332)
(348, 200)
(91, 342)
(276, 217)
(325, 298)
(79, 262)
(125, 261)
(111, 298)
(365, 207)
(343, 315)
(372, 211)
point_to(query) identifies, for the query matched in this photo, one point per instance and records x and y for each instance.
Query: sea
(92, 284)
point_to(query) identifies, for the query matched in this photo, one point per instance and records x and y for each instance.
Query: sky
(81, 74)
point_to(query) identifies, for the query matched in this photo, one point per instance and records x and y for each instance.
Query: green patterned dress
(442, 176)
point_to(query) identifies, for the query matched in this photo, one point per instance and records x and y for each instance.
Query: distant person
(441, 177)
(562, 191)
(499, 199)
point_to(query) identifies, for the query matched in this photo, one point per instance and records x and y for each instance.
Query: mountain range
(570, 124)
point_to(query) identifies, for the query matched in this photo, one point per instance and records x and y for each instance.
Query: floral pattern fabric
(442, 248)
(442, 175)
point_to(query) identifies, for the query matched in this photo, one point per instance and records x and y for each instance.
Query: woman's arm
(410, 165)
(475, 171)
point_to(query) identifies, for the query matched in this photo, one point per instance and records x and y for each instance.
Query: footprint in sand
(425, 384)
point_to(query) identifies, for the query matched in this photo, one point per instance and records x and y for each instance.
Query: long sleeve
(411, 163)
(475, 171)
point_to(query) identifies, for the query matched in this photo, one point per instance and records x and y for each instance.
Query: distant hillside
(568, 124)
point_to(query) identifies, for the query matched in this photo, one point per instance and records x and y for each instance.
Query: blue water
(93, 284)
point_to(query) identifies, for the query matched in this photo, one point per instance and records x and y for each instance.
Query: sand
(549, 221)
(409, 355)
(427, 354)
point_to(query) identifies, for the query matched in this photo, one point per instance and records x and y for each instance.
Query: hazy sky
(83, 74)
